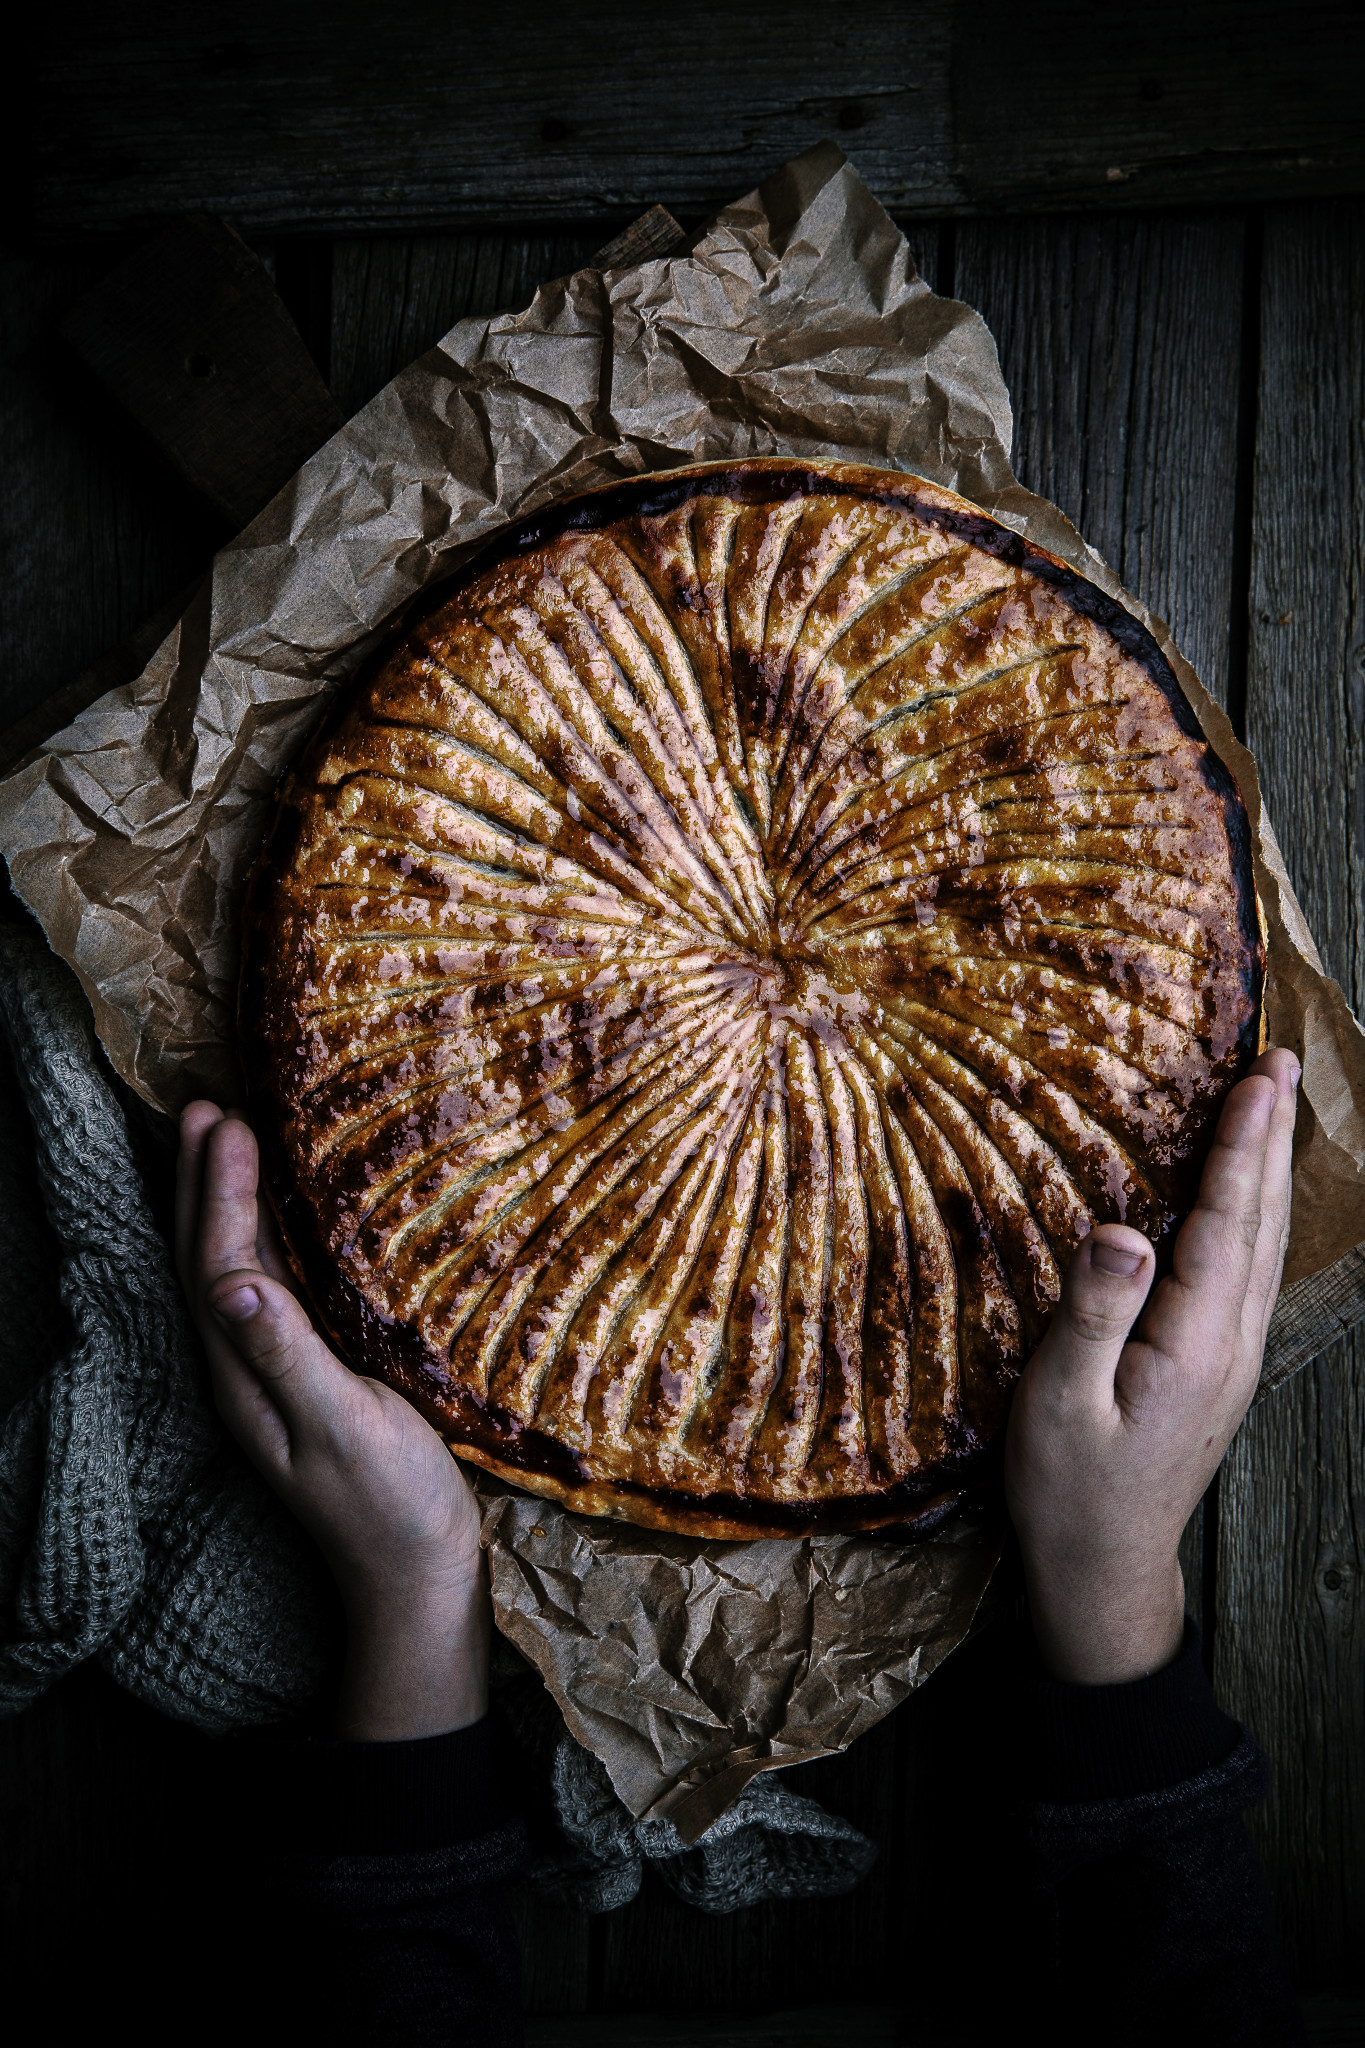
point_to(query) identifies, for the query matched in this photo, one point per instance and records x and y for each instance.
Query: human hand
(369, 1479)
(1113, 1438)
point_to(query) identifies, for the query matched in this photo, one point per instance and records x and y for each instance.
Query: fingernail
(1110, 1259)
(237, 1306)
(1295, 1074)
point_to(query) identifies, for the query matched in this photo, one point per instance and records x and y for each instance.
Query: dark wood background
(1160, 217)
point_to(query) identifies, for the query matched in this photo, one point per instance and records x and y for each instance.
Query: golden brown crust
(711, 971)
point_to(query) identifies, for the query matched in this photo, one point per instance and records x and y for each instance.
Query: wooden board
(95, 533)
(1290, 1648)
(870, 2026)
(1332, 2020)
(191, 337)
(658, 1952)
(1126, 344)
(1309, 1318)
(465, 116)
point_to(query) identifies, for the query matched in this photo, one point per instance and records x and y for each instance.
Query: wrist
(416, 1659)
(1106, 1622)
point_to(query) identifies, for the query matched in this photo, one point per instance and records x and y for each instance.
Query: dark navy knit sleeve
(389, 1871)
(1149, 1890)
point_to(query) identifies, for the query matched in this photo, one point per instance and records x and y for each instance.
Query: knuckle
(1247, 1226)
(1095, 1325)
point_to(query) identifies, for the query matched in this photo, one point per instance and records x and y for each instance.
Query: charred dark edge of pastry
(390, 1350)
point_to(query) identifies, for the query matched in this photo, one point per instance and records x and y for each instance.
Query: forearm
(416, 1660)
(388, 1863)
(1105, 1621)
(1160, 1921)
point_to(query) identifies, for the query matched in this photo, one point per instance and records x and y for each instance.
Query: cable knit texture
(133, 1531)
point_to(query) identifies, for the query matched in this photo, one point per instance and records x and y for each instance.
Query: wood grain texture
(95, 532)
(191, 337)
(1310, 1316)
(1290, 1651)
(1331, 2020)
(1120, 343)
(114, 1821)
(466, 116)
(655, 233)
(556, 1948)
(871, 2026)
(1143, 106)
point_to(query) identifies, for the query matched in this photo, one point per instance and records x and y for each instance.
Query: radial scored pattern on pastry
(712, 970)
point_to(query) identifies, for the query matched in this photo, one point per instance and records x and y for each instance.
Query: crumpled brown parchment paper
(796, 325)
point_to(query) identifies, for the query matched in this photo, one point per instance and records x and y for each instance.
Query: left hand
(369, 1479)
(1128, 1404)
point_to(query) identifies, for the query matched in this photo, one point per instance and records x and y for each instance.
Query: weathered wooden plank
(816, 2027)
(389, 301)
(467, 116)
(1311, 1315)
(1334, 2019)
(655, 233)
(556, 1941)
(1290, 1651)
(113, 1822)
(1120, 342)
(95, 533)
(1064, 105)
(926, 238)
(1331, 2020)
(191, 337)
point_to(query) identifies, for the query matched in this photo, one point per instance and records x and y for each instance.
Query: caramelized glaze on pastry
(712, 970)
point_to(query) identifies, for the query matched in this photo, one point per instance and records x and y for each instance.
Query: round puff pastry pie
(710, 972)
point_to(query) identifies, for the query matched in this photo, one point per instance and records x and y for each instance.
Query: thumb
(269, 1330)
(1105, 1286)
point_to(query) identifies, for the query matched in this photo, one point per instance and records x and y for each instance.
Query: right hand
(370, 1479)
(1123, 1413)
